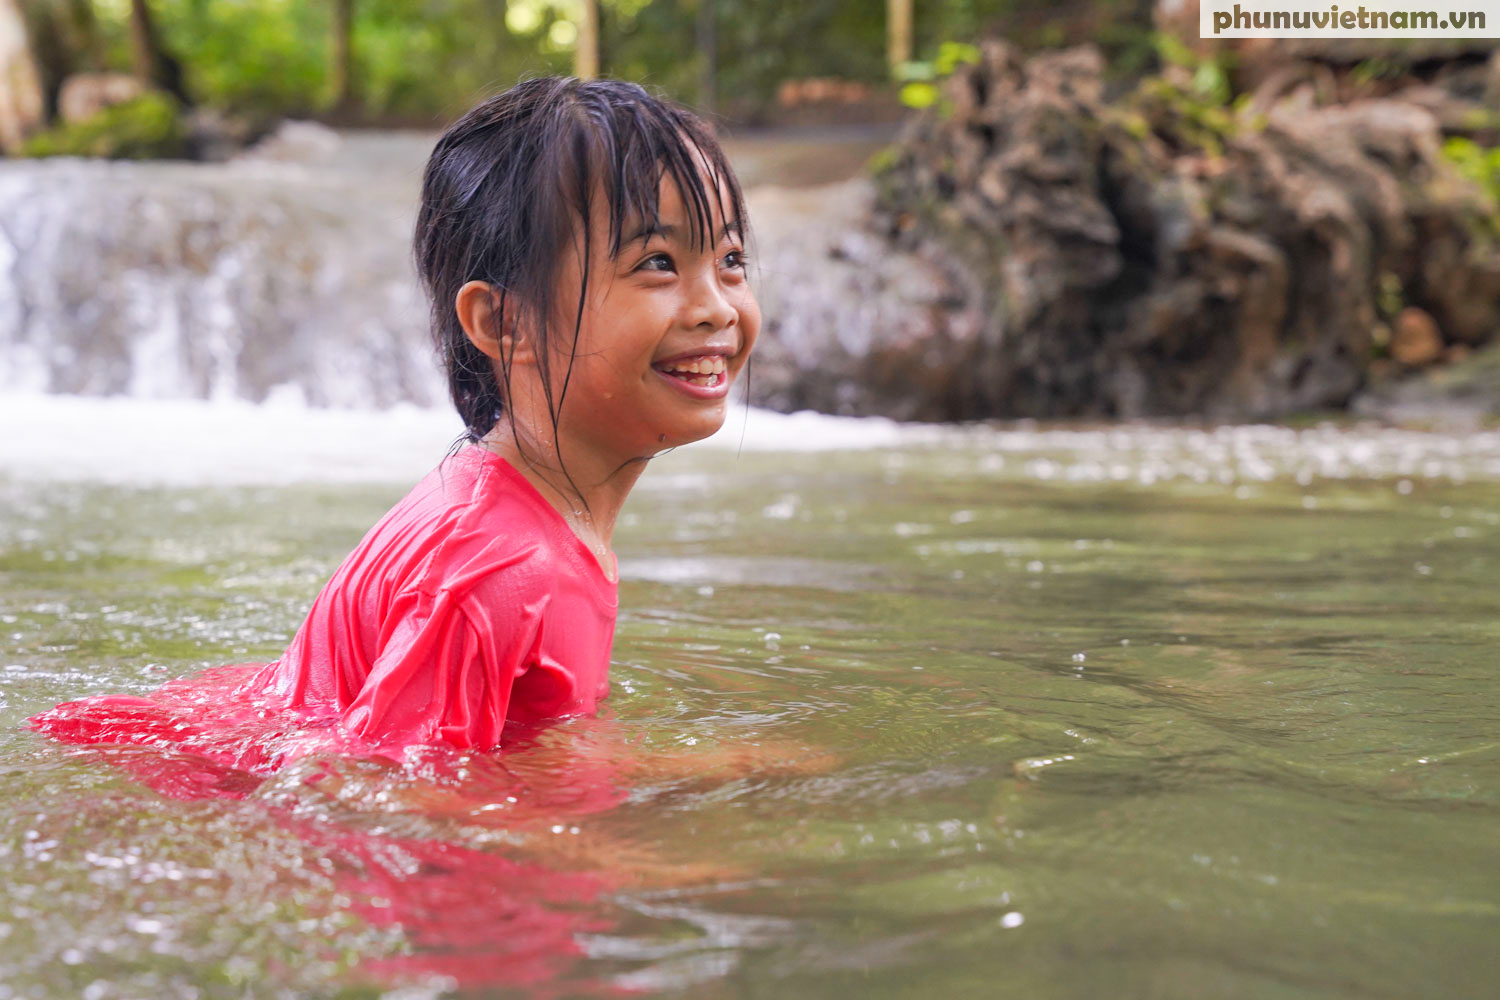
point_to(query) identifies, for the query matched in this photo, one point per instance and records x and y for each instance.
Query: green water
(890, 724)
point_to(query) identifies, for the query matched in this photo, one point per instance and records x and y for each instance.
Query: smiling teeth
(707, 365)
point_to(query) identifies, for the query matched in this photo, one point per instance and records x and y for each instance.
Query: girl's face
(665, 331)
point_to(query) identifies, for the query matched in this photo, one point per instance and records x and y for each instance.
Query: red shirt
(470, 604)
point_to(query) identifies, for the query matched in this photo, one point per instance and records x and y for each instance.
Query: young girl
(583, 247)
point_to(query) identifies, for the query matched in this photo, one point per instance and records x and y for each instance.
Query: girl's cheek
(750, 320)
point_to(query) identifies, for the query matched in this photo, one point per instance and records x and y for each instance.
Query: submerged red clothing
(470, 604)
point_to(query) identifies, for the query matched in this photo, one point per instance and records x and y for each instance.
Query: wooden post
(21, 106)
(898, 33)
(586, 53)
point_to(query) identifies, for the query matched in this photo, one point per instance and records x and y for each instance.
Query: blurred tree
(152, 64)
(21, 105)
(762, 47)
(63, 41)
(78, 27)
(424, 61)
(341, 93)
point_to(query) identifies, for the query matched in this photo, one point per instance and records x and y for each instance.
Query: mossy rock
(148, 127)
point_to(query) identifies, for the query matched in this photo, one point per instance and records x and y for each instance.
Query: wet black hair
(510, 183)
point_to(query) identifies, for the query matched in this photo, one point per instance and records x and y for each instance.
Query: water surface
(1144, 713)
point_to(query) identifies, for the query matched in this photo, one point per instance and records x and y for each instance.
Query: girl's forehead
(672, 206)
(669, 212)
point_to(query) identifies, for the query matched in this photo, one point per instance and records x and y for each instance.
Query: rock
(215, 135)
(852, 326)
(84, 95)
(1032, 251)
(1416, 340)
(304, 142)
(1463, 394)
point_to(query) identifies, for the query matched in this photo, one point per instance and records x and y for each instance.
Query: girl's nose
(708, 304)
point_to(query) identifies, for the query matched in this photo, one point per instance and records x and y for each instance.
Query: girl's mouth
(706, 371)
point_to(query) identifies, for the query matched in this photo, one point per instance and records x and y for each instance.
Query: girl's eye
(736, 259)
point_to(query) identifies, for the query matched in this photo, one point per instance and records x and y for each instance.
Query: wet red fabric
(470, 606)
(469, 915)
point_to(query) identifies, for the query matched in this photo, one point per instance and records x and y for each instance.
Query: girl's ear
(478, 307)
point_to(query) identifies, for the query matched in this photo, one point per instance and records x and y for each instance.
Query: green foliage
(1479, 120)
(1210, 76)
(1390, 296)
(921, 88)
(427, 60)
(1480, 164)
(411, 58)
(1191, 103)
(1211, 83)
(919, 95)
(1134, 123)
(1386, 67)
(1182, 115)
(1129, 47)
(882, 161)
(258, 56)
(1173, 50)
(148, 127)
(760, 46)
(952, 54)
(411, 65)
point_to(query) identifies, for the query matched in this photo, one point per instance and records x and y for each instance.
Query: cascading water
(241, 280)
(286, 273)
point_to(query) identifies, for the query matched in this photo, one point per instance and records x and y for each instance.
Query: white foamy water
(187, 442)
(195, 442)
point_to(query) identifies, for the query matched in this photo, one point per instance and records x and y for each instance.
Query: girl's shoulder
(492, 521)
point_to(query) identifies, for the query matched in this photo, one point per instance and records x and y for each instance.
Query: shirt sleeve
(446, 668)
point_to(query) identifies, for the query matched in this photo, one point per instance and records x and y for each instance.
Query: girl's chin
(708, 426)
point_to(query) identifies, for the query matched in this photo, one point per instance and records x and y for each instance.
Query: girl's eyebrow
(670, 232)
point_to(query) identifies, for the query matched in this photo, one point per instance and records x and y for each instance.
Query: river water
(1143, 711)
(987, 712)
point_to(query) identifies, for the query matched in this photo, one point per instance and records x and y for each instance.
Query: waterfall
(285, 274)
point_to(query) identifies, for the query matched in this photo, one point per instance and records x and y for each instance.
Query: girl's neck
(590, 502)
